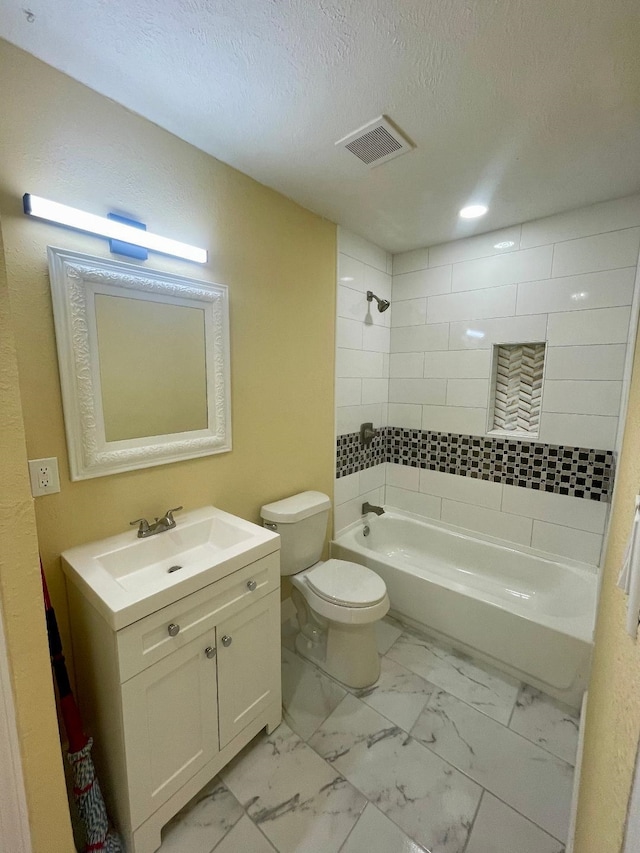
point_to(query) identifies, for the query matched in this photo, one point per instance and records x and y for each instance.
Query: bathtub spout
(367, 507)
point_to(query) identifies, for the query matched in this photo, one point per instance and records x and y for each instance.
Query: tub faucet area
(367, 507)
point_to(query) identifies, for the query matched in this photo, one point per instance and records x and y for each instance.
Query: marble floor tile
(387, 633)
(527, 777)
(546, 722)
(375, 833)
(499, 829)
(399, 694)
(488, 690)
(288, 632)
(298, 801)
(203, 822)
(245, 837)
(428, 799)
(308, 696)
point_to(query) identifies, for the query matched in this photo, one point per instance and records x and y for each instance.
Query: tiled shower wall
(567, 280)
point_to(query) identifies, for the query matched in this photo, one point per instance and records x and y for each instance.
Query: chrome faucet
(167, 522)
(367, 507)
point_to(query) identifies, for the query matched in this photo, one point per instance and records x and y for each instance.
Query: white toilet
(337, 602)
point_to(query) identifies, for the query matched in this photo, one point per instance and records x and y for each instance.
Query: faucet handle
(168, 516)
(144, 525)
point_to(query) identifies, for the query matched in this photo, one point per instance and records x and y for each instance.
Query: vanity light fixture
(80, 220)
(473, 211)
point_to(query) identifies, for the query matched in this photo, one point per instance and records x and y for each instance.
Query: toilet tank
(301, 521)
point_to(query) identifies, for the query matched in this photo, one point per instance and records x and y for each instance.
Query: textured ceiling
(532, 106)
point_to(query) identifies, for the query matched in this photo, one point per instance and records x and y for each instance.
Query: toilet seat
(347, 584)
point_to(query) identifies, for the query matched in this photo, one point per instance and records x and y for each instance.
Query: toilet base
(347, 653)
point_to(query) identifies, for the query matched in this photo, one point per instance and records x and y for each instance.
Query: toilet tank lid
(296, 507)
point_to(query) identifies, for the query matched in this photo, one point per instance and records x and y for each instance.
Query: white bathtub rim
(588, 569)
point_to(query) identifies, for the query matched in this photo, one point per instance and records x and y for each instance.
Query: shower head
(383, 304)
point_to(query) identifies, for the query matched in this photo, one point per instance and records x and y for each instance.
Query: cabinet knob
(210, 652)
(226, 640)
(252, 585)
(173, 629)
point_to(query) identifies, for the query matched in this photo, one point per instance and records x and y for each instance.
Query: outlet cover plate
(44, 476)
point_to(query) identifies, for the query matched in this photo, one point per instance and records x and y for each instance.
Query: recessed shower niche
(516, 389)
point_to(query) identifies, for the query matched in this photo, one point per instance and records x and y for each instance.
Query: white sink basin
(127, 578)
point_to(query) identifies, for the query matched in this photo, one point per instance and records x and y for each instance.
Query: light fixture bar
(80, 220)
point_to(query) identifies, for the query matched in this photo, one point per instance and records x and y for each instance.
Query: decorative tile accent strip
(351, 456)
(518, 388)
(577, 471)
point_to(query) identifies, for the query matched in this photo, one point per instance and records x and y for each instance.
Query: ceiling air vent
(376, 142)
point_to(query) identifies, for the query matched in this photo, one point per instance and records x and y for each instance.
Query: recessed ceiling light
(472, 211)
(505, 244)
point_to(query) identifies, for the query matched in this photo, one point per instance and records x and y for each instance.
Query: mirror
(144, 364)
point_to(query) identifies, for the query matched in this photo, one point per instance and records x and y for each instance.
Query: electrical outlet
(44, 476)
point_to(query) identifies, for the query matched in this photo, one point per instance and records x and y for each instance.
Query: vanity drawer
(147, 641)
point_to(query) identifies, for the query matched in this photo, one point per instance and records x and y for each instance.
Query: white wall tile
(458, 364)
(404, 415)
(588, 362)
(513, 528)
(581, 398)
(349, 392)
(424, 505)
(356, 363)
(577, 292)
(480, 334)
(348, 333)
(514, 267)
(596, 219)
(563, 510)
(480, 246)
(352, 304)
(600, 326)
(575, 544)
(464, 489)
(406, 364)
(350, 272)
(349, 418)
(375, 390)
(376, 338)
(378, 281)
(600, 252)
(372, 478)
(479, 304)
(467, 392)
(419, 338)
(409, 312)
(433, 391)
(357, 247)
(346, 513)
(417, 259)
(413, 285)
(346, 488)
(595, 431)
(454, 419)
(403, 476)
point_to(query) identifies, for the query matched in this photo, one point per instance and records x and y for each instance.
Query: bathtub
(518, 609)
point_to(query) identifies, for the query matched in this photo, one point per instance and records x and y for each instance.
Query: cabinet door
(170, 724)
(248, 665)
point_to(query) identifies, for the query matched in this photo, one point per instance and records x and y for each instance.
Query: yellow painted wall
(23, 613)
(63, 141)
(613, 715)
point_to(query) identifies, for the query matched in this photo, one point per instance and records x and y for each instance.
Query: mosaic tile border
(576, 471)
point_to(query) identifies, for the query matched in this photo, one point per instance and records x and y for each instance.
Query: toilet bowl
(337, 602)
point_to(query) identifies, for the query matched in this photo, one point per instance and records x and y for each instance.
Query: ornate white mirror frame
(76, 279)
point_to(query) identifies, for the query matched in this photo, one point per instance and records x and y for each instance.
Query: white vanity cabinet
(172, 697)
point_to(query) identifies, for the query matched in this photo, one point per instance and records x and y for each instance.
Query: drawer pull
(210, 652)
(173, 630)
(226, 641)
(252, 585)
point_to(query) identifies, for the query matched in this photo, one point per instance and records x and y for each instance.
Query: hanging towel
(629, 579)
